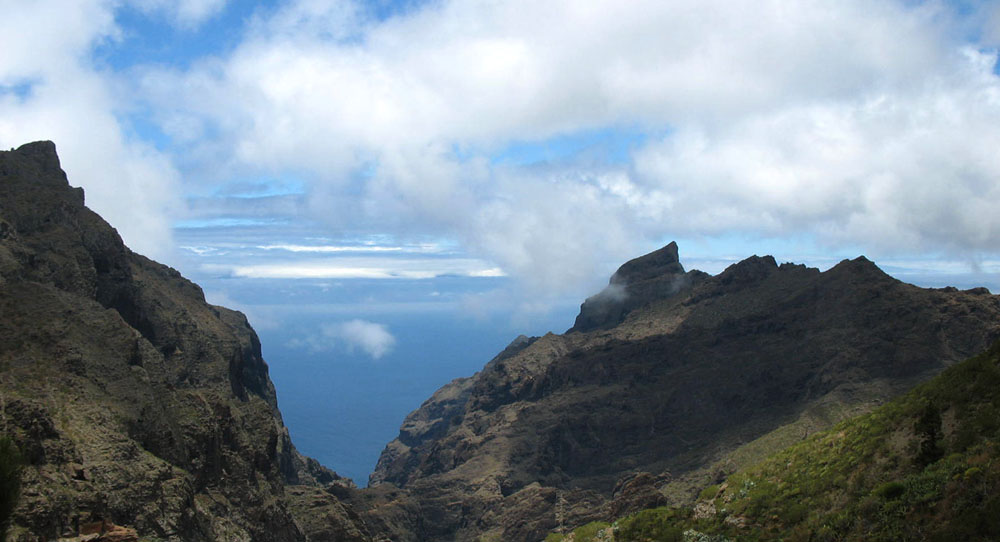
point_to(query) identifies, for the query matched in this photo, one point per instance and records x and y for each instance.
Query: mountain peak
(639, 281)
(42, 153)
(860, 266)
(664, 261)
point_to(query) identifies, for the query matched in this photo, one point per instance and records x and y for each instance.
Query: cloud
(329, 248)
(909, 171)
(860, 123)
(64, 98)
(371, 338)
(360, 268)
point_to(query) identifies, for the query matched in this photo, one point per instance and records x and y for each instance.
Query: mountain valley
(135, 402)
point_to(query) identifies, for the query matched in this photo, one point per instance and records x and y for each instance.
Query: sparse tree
(928, 430)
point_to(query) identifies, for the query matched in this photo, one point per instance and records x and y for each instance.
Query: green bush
(657, 524)
(10, 482)
(588, 533)
(709, 493)
(890, 491)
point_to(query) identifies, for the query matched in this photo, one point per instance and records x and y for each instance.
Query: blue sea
(341, 404)
(343, 400)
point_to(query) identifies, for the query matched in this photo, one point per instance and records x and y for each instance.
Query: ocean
(341, 403)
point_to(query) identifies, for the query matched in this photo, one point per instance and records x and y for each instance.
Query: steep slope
(668, 372)
(924, 467)
(133, 399)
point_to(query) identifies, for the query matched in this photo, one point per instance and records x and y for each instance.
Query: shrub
(890, 491)
(589, 532)
(10, 482)
(658, 524)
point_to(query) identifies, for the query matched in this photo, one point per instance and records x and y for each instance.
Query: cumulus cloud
(913, 170)
(865, 123)
(857, 123)
(60, 96)
(371, 338)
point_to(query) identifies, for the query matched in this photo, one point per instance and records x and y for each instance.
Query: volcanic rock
(133, 400)
(682, 375)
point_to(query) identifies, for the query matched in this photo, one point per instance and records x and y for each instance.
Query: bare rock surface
(674, 373)
(139, 405)
(133, 400)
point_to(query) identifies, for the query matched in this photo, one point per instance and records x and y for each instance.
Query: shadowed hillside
(136, 403)
(680, 375)
(132, 400)
(924, 467)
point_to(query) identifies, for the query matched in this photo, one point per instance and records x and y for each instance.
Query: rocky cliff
(134, 401)
(925, 466)
(668, 381)
(138, 404)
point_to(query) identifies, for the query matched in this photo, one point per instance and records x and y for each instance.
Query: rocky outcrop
(668, 372)
(655, 276)
(138, 404)
(133, 400)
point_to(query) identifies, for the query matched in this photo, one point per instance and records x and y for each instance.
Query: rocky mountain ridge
(134, 401)
(139, 404)
(922, 467)
(667, 381)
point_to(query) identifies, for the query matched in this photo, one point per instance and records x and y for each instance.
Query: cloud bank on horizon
(546, 138)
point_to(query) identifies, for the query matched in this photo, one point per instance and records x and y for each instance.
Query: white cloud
(859, 122)
(330, 248)
(371, 338)
(910, 171)
(46, 47)
(863, 124)
(361, 268)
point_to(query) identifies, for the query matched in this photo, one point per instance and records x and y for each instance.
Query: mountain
(133, 400)
(145, 412)
(668, 382)
(924, 467)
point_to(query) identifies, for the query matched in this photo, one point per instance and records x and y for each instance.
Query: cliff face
(138, 403)
(133, 399)
(668, 381)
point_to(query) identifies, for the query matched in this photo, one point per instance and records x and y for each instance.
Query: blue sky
(347, 172)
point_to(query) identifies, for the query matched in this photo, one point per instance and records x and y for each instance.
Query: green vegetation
(10, 482)
(656, 525)
(596, 531)
(923, 467)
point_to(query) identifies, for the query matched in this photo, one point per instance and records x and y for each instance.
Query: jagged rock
(668, 371)
(635, 493)
(133, 399)
(637, 283)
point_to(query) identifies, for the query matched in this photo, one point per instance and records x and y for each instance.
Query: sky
(349, 172)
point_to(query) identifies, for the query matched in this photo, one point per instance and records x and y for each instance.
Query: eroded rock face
(137, 403)
(133, 399)
(656, 275)
(665, 374)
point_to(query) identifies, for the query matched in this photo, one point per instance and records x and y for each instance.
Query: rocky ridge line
(134, 401)
(667, 381)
